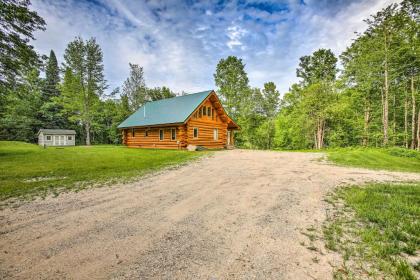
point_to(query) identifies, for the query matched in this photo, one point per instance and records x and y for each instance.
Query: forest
(365, 96)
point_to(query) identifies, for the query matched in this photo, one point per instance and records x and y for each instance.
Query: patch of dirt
(236, 215)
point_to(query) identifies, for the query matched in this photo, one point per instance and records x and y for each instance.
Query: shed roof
(166, 111)
(57, 131)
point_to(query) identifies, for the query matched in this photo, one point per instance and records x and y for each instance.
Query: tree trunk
(322, 134)
(385, 115)
(413, 115)
(386, 94)
(406, 120)
(394, 120)
(87, 129)
(366, 126)
(319, 137)
(418, 131)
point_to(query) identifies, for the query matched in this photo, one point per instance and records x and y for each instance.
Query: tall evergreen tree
(51, 113)
(52, 78)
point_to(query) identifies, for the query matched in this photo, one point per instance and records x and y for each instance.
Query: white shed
(56, 137)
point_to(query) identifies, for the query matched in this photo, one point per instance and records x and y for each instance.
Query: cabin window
(160, 134)
(208, 111)
(195, 132)
(215, 134)
(173, 134)
(70, 138)
(212, 114)
(146, 133)
(48, 138)
(199, 112)
(204, 110)
(132, 132)
(195, 115)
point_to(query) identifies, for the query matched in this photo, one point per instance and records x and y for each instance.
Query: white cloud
(179, 45)
(235, 34)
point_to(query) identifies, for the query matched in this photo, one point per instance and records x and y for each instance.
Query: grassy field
(376, 228)
(396, 159)
(28, 169)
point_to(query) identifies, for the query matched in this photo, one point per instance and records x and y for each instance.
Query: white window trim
(215, 134)
(163, 135)
(173, 129)
(194, 128)
(48, 136)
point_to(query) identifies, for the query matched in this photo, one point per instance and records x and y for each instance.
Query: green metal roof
(166, 111)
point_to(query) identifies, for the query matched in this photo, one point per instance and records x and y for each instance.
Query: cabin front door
(56, 140)
(228, 138)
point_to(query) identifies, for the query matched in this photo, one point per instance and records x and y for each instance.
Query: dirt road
(236, 215)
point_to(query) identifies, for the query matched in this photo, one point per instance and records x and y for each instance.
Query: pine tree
(51, 112)
(52, 78)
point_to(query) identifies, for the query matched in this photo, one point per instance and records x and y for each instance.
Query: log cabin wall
(150, 137)
(206, 119)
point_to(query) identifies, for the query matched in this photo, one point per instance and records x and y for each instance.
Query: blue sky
(180, 42)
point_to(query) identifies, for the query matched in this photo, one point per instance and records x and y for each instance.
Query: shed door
(228, 137)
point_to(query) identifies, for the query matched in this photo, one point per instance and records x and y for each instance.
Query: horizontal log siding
(152, 139)
(205, 125)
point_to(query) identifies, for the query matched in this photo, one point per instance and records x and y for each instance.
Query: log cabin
(195, 120)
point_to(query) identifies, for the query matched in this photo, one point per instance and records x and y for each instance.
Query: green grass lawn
(376, 228)
(28, 169)
(396, 159)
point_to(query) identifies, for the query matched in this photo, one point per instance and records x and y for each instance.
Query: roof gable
(166, 111)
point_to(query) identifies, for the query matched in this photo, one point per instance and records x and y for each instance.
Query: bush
(402, 152)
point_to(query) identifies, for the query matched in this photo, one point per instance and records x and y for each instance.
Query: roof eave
(151, 125)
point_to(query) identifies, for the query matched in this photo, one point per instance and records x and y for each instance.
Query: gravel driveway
(236, 215)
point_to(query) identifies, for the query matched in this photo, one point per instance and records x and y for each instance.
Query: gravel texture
(236, 215)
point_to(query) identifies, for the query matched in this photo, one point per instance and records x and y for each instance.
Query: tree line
(367, 96)
(372, 100)
(71, 95)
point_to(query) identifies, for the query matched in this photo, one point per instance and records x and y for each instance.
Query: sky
(179, 43)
